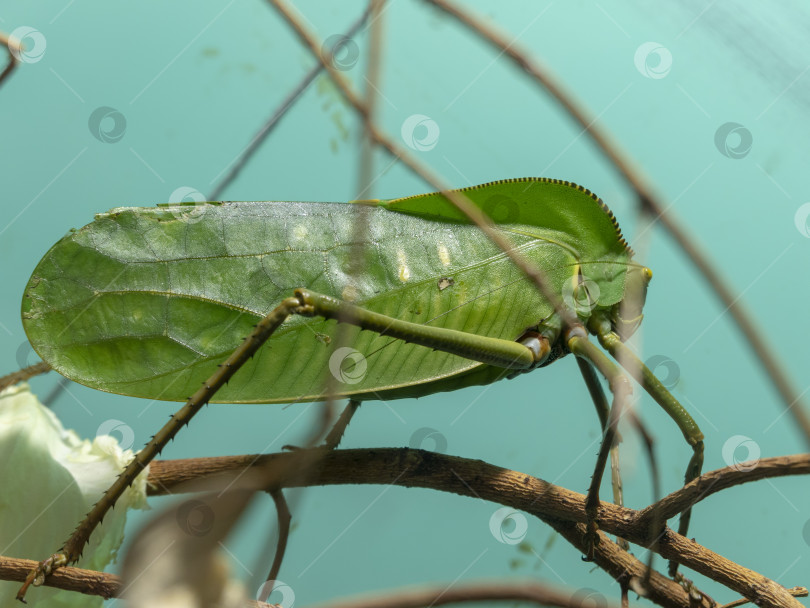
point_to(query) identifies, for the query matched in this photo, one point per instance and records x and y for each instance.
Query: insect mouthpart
(626, 315)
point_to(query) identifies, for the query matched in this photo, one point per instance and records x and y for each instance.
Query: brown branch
(562, 509)
(24, 374)
(721, 479)
(647, 198)
(84, 581)
(439, 595)
(559, 507)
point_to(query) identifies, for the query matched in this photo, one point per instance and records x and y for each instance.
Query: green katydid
(149, 302)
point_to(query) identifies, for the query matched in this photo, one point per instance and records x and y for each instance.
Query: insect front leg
(577, 341)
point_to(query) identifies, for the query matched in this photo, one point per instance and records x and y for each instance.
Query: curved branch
(439, 595)
(721, 479)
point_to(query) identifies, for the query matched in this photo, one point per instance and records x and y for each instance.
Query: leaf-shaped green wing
(147, 301)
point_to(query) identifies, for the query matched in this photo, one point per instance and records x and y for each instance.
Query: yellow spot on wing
(404, 271)
(444, 255)
(349, 293)
(300, 232)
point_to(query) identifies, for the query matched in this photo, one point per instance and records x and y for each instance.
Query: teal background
(194, 80)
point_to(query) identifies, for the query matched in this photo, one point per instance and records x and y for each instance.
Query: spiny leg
(72, 549)
(336, 434)
(578, 343)
(603, 411)
(642, 374)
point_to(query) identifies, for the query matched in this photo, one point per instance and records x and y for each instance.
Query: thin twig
(647, 198)
(721, 479)
(24, 374)
(284, 518)
(263, 133)
(457, 199)
(794, 591)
